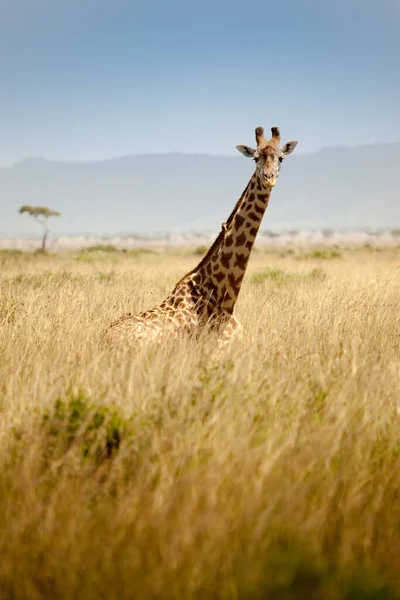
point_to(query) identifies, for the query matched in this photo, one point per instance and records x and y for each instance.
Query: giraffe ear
(246, 151)
(288, 148)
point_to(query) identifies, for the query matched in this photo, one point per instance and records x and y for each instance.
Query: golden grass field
(163, 473)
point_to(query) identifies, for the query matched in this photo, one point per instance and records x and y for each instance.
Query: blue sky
(94, 79)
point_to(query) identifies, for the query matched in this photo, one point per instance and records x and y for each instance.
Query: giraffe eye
(280, 159)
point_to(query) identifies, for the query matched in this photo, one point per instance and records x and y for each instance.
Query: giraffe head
(268, 155)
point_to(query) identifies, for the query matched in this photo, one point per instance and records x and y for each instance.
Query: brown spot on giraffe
(253, 216)
(240, 240)
(238, 222)
(234, 283)
(232, 280)
(241, 261)
(228, 241)
(225, 259)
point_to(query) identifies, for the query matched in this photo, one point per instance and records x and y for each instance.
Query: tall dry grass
(162, 473)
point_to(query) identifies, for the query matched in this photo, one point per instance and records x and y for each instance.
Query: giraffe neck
(221, 271)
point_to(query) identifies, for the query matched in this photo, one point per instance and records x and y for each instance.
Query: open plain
(272, 471)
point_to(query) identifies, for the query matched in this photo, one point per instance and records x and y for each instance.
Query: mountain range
(346, 187)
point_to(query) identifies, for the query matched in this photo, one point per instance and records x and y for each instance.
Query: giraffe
(207, 295)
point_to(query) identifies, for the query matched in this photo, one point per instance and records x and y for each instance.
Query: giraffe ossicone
(206, 296)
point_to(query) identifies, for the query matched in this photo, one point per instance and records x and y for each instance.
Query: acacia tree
(41, 214)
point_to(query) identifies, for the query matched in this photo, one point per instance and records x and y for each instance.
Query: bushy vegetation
(109, 251)
(101, 248)
(200, 251)
(321, 253)
(8, 252)
(281, 276)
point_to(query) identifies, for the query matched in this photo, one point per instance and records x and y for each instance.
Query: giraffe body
(185, 311)
(206, 296)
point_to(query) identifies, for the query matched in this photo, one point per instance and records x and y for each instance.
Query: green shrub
(140, 251)
(321, 253)
(93, 431)
(101, 248)
(290, 573)
(200, 250)
(280, 276)
(5, 252)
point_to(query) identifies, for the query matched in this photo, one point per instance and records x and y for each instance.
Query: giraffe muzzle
(270, 179)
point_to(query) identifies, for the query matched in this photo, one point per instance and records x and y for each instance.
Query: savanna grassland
(163, 472)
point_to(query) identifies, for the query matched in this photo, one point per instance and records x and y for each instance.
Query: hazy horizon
(177, 192)
(209, 154)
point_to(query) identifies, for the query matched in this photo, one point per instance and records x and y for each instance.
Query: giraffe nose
(268, 175)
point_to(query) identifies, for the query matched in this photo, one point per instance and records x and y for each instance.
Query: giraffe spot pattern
(228, 241)
(241, 261)
(234, 283)
(225, 259)
(239, 220)
(240, 240)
